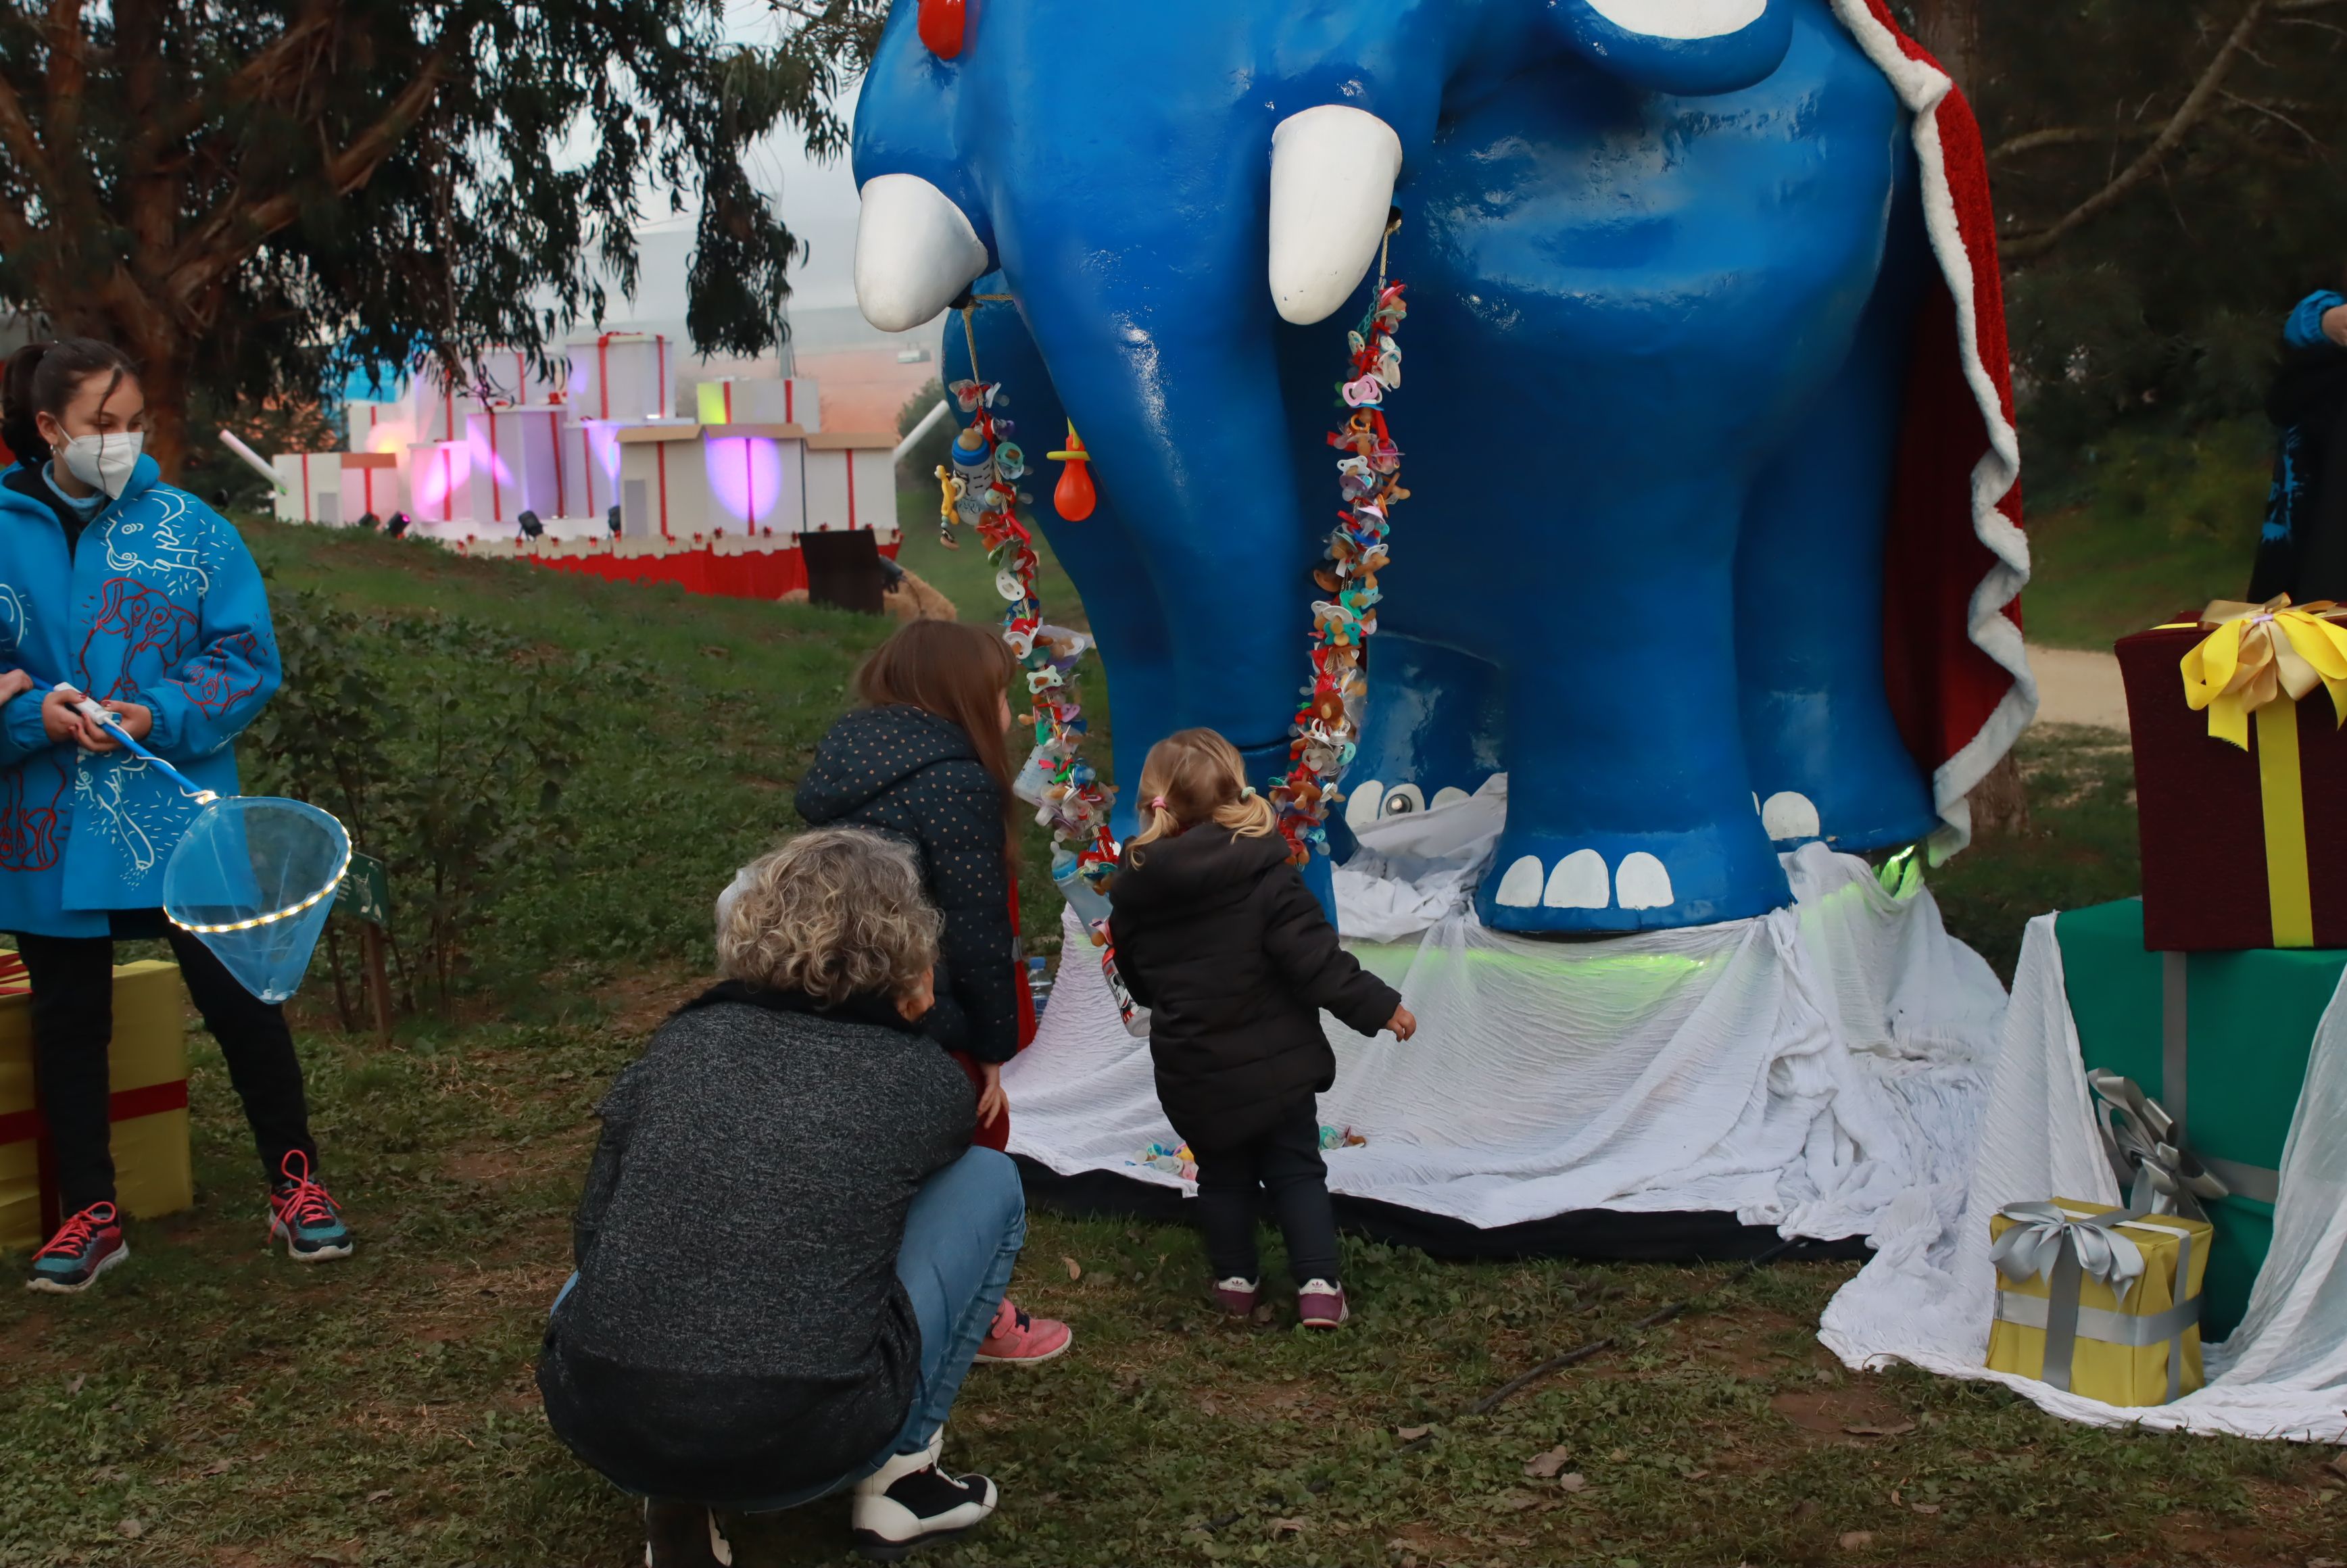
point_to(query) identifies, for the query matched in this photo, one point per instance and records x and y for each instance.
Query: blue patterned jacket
(159, 604)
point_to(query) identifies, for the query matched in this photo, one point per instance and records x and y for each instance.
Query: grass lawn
(211, 1404)
(2171, 525)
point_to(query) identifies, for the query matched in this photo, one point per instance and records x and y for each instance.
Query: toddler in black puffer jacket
(1216, 935)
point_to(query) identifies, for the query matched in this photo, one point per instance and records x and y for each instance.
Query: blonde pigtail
(1249, 816)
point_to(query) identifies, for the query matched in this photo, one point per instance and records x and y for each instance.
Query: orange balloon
(942, 23)
(1074, 496)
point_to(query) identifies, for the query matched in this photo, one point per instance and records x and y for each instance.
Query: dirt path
(2078, 686)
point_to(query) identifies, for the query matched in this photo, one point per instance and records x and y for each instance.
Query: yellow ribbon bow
(2258, 655)
(2261, 653)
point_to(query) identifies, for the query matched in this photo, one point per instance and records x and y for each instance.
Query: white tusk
(914, 252)
(1332, 182)
(1681, 18)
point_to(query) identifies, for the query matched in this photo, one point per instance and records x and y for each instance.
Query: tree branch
(16, 229)
(2063, 136)
(23, 143)
(221, 244)
(2278, 118)
(252, 80)
(2024, 246)
(68, 76)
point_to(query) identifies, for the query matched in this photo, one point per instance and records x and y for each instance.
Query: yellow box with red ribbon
(148, 1069)
(2239, 762)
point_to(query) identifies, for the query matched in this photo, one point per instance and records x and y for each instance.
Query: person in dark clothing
(787, 1251)
(116, 585)
(924, 761)
(2303, 548)
(1217, 936)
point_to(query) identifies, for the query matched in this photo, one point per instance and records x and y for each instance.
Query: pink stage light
(746, 476)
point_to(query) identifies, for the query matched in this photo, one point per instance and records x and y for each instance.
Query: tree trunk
(163, 377)
(1951, 30)
(2001, 801)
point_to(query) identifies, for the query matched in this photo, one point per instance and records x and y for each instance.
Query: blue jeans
(962, 1236)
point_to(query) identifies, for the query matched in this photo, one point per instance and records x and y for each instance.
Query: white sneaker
(909, 1502)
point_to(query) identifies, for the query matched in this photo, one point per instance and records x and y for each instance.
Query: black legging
(72, 1024)
(1286, 1164)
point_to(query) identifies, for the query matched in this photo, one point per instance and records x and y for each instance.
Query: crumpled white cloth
(1805, 1070)
(1928, 1295)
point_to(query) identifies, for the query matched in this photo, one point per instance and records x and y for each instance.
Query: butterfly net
(255, 880)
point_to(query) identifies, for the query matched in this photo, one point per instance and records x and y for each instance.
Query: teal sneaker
(306, 1216)
(84, 1246)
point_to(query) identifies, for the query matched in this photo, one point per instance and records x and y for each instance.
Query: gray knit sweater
(738, 1330)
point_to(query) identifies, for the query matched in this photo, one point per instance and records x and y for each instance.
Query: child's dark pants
(73, 1023)
(1285, 1163)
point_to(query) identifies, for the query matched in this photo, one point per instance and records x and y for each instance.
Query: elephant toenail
(1789, 815)
(1578, 882)
(1449, 795)
(1521, 887)
(1643, 883)
(1681, 18)
(1363, 804)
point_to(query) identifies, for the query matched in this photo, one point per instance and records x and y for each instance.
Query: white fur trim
(1921, 87)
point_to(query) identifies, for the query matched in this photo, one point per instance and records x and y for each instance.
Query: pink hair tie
(1157, 803)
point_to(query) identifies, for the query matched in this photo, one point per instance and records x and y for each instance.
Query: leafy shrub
(444, 746)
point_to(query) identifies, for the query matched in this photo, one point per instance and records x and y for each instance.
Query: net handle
(113, 721)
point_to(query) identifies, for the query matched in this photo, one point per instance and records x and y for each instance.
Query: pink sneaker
(1236, 1295)
(1016, 1336)
(1321, 1305)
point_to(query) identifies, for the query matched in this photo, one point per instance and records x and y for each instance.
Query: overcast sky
(818, 206)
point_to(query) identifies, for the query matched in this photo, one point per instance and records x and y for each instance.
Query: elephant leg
(1119, 601)
(1629, 799)
(1827, 758)
(1432, 733)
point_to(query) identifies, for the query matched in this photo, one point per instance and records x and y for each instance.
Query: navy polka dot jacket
(915, 777)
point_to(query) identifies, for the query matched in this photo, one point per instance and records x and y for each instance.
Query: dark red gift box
(2201, 814)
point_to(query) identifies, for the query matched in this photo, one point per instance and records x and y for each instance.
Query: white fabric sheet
(1927, 1296)
(1802, 1070)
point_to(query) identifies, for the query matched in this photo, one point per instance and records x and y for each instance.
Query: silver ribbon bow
(2043, 1236)
(2046, 1239)
(2161, 1176)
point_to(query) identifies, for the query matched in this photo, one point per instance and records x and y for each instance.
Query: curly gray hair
(836, 913)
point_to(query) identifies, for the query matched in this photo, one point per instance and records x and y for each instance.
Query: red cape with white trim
(1958, 677)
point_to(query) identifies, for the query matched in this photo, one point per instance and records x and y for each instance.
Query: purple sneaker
(1236, 1295)
(1321, 1305)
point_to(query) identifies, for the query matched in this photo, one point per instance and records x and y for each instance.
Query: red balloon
(1074, 498)
(942, 23)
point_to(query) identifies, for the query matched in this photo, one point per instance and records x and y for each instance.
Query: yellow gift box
(2139, 1349)
(147, 1073)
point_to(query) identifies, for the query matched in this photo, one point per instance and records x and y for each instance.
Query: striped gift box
(148, 1071)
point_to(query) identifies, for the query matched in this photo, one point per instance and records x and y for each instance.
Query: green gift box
(2221, 1041)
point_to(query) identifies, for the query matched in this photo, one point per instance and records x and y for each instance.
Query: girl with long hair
(924, 759)
(1217, 936)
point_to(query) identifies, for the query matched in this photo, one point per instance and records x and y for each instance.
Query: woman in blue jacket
(2303, 549)
(115, 584)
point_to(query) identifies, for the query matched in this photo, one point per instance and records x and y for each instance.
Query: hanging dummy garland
(979, 488)
(1369, 475)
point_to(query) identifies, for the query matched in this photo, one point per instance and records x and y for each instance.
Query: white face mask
(105, 461)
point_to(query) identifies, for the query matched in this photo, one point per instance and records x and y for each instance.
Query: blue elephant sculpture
(1713, 545)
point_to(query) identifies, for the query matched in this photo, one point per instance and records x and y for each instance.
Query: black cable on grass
(1661, 1314)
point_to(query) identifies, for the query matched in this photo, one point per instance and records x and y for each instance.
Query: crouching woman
(788, 1252)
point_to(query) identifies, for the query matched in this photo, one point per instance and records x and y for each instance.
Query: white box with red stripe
(767, 400)
(619, 376)
(851, 483)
